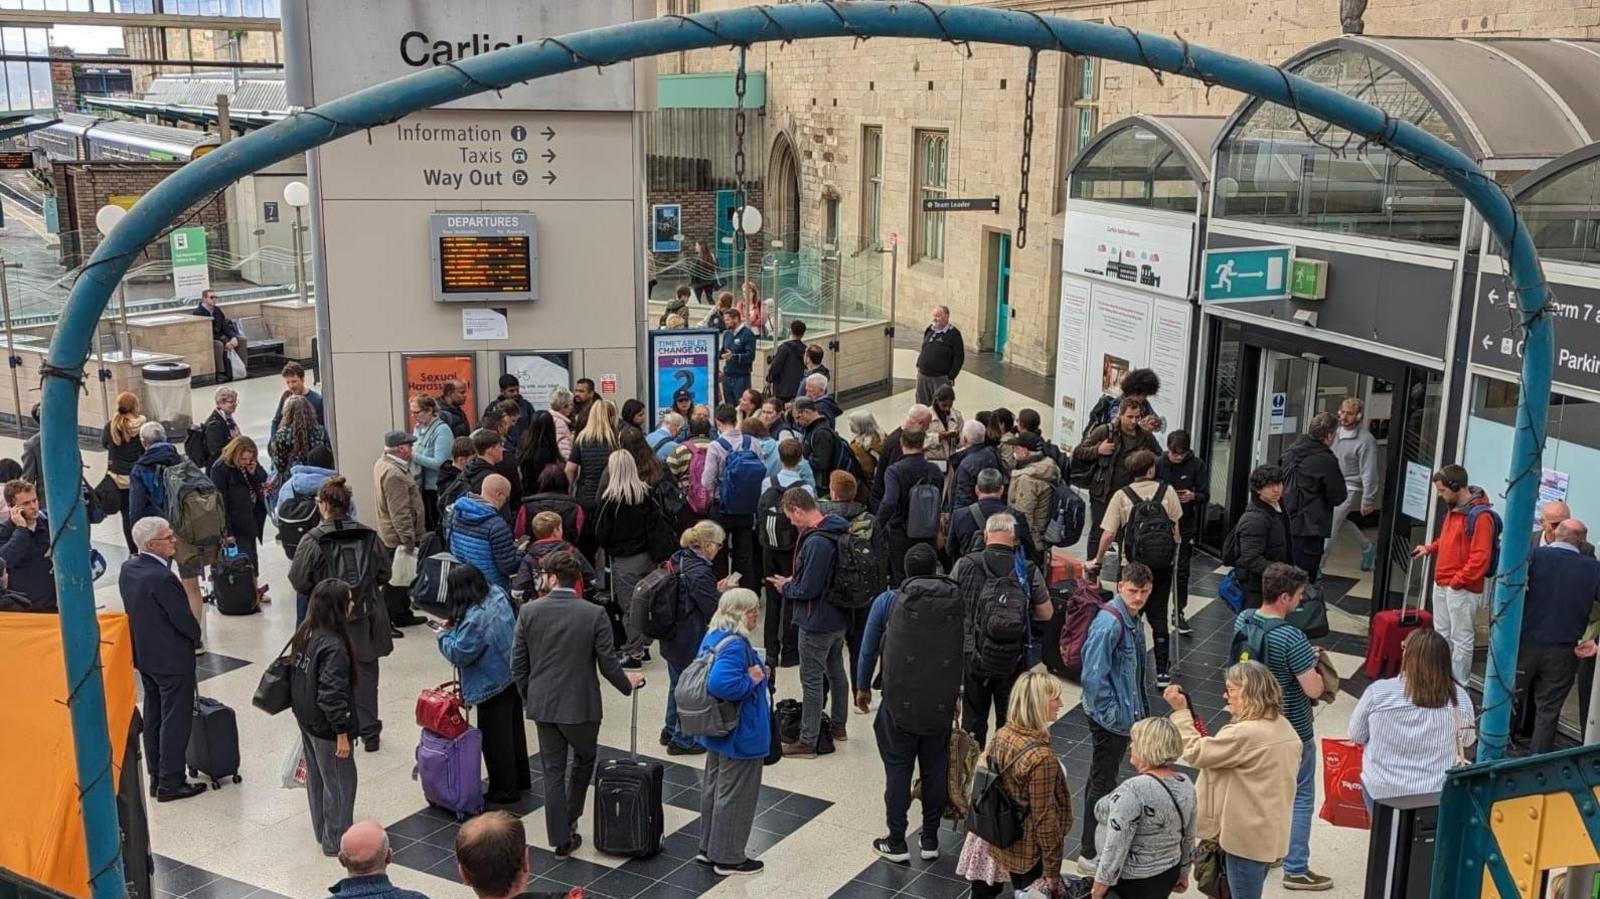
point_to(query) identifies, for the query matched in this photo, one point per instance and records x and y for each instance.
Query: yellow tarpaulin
(41, 823)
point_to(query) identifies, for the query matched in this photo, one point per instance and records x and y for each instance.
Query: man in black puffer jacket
(1313, 485)
(1261, 535)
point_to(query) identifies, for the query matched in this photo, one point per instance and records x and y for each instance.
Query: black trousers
(1180, 574)
(168, 714)
(1306, 553)
(1544, 677)
(1097, 514)
(978, 693)
(397, 600)
(564, 793)
(430, 509)
(1156, 886)
(127, 520)
(898, 544)
(1155, 612)
(855, 630)
(901, 751)
(779, 634)
(740, 550)
(505, 745)
(1109, 750)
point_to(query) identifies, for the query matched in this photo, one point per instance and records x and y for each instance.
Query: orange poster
(427, 374)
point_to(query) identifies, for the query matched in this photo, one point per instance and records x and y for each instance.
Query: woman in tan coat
(1247, 775)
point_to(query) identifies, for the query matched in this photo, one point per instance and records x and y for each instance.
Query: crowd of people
(771, 530)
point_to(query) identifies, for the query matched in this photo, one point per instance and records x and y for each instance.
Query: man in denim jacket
(1113, 690)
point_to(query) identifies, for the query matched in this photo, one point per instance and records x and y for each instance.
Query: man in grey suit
(563, 644)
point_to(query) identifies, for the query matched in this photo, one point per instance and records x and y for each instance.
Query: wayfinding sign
(1575, 310)
(1246, 274)
(961, 204)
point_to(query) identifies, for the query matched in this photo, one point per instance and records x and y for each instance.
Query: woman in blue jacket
(477, 640)
(733, 762)
(698, 594)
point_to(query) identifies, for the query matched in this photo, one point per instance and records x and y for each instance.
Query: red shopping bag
(1342, 805)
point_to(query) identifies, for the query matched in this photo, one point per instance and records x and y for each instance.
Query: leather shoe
(370, 744)
(564, 851)
(189, 788)
(799, 750)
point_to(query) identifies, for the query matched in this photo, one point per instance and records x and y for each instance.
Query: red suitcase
(1389, 630)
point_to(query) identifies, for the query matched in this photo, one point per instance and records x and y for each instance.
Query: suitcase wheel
(215, 785)
(194, 772)
(238, 779)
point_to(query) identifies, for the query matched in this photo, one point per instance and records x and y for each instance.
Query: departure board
(475, 264)
(485, 256)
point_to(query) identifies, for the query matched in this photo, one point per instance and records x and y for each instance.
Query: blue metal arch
(385, 103)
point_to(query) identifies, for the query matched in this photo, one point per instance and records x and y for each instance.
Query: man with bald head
(918, 418)
(942, 355)
(365, 854)
(1563, 588)
(479, 534)
(1551, 514)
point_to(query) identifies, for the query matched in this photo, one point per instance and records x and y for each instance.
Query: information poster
(666, 228)
(682, 360)
(1418, 490)
(1553, 486)
(1107, 331)
(427, 374)
(191, 269)
(538, 373)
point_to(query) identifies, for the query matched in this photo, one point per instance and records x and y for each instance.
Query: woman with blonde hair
(732, 780)
(866, 443)
(750, 307)
(1146, 830)
(1247, 775)
(121, 440)
(698, 594)
(241, 481)
(622, 530)
(1032, 776)
(591, 452)
(1413, 726)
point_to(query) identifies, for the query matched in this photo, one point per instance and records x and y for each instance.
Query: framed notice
(682, 360)
(427, 372)
(666, 228)
(538, 373)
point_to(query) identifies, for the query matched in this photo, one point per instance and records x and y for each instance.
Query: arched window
(1269, 170)
(1136, 167)
(1563, 214)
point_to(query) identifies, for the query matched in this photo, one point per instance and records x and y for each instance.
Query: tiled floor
(176, 880)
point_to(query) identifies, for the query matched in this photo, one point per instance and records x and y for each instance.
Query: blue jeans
(1298, 860)
(679, 738)
(302, 601)
(734, 384)
(1246, 877)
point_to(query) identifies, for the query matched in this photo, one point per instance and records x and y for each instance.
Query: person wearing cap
(683, 404)
(400, 516)
(1033, 484)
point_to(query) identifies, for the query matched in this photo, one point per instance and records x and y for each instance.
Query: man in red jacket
(1465, 551)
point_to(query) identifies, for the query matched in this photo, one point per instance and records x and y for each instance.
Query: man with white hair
(972, 457)
(918, 418)
(665, 438)
(165, 636)
(365, 853)
(147, 497)
(943, 353)
(1551, 514)
(816, 388)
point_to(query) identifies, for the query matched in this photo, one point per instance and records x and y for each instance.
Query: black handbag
(107, 495)
(1311, 616)
(995, 817)
(272, 692)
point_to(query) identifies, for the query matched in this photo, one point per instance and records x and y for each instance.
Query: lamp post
(297, 195)
(105, 220)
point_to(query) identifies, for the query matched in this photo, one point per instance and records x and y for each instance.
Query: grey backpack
(699, 713)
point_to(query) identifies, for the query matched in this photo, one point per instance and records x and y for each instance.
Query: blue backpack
(1473, 514)
(743, 475)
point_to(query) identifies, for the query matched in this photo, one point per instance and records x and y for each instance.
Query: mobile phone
(434, 624)
(733, 579)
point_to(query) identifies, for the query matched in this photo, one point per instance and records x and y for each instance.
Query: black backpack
(1001, 620)
(348, 555)
(1250, 641)
(456, 490)
(295, 518)
(773, 529)
(1147, 535)
(858, 577)
(924, 502)
(922, 654)
(657, 595)
(194, 446)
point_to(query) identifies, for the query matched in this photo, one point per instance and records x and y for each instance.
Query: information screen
(485, 256)
(478, 264)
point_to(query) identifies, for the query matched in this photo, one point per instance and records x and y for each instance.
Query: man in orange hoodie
(1467, 551)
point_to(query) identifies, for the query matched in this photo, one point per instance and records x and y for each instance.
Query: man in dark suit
(561, 643)
(165, 636)
(225, 335)
(1563, 587)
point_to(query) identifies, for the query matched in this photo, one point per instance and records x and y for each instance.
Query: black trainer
(892, 849)
(748, 866)
(929, 847)
(1181, 626)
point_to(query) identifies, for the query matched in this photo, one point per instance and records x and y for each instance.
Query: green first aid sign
(1243, 275)
(191, 270)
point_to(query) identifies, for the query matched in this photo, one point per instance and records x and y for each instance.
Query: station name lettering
(482, 221)
(418, 49)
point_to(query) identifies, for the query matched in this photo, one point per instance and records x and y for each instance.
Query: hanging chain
(738, 153)
(1027, 147)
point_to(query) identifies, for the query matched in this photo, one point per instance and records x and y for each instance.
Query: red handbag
(439, 710)
(1343, 805)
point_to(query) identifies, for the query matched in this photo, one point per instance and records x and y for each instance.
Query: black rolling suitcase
(233, 585)
(628, 817)
(213, 743)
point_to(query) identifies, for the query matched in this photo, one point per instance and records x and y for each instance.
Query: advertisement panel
(1126, 251)
(1105, 333)
(682, 360)
(539, 372)
(427, 372)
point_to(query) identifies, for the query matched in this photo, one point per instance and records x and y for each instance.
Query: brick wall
(700, 213)
(821, 93)
(83, 187)
(62, 85)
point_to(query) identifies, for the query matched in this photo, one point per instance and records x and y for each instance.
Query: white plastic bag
(293, 771)
(236, 366)
(404, 570)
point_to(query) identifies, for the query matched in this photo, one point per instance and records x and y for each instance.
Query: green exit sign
(1308, 279)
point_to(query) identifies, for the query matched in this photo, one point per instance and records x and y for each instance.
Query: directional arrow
(549, 177)
(548, 132)
(1494, 296)
(1488, 341)
(549, 155)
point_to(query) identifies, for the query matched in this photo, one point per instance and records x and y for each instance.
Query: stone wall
(83, 187)
(822, 92)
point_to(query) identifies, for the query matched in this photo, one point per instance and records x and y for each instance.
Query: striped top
(1408, 748)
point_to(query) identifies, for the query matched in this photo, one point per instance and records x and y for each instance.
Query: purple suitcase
(448, 770)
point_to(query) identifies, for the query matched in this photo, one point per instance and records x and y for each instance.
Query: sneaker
(1163, 680)
(1310, 881)
(1181, 626)
(700, 858)
(1088, 866)
(892, 849)
(693, 749)
(1369, 555)
(632, 664)
(929, 848)
(839, 733)
(748, 866)
(799, 751)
